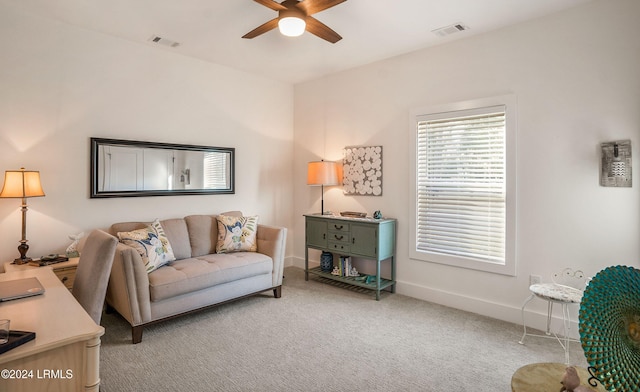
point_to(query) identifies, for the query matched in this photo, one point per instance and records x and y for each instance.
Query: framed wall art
(362, 170)
(615, 164)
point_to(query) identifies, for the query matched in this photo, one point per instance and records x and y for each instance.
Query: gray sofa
(198, 278)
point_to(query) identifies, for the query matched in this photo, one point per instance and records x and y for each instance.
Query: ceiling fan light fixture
(291, 26)
(294, 18)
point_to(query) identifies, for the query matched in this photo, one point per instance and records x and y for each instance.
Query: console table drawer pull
(339, 238)
(338, 227)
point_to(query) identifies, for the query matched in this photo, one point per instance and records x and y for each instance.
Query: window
(464, 195)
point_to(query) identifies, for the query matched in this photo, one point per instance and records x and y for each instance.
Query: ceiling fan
(294, 17)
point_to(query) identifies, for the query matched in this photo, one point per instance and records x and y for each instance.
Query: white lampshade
(322, 173)
(291, 26)
(21, 183)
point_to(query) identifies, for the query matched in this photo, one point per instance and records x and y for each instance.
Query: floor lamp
(322, 173)
(22, 184)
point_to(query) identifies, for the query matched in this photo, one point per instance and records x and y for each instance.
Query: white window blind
(461, 184)
(215, 170)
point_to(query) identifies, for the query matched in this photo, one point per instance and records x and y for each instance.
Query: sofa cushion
(178, 235)
(188, 275)
(151, 243)
(237, 234)
(203, 234)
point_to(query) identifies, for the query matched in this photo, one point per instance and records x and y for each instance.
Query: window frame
(459, 109)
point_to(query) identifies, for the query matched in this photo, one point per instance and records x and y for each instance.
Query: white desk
(65, 355)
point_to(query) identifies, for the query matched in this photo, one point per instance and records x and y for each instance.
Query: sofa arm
(272, 242)
(128, 290)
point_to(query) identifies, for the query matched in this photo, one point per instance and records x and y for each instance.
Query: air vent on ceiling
(164, 41)
(448, 30)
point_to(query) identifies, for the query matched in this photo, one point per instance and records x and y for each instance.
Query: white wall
(576, 76)
(60, 85)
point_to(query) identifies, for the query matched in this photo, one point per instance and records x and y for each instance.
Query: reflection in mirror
(132, 168)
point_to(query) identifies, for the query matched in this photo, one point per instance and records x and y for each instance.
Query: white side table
(65, 270)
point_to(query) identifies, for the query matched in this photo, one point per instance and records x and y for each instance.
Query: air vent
(448, 30)
(164, 41)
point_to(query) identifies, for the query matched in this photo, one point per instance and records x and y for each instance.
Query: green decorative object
(610, 327)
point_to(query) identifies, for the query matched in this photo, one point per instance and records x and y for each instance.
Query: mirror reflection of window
(216, 169)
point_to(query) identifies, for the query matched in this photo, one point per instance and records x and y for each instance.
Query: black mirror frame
(95, 193)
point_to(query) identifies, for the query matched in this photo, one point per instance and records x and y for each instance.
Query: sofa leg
(136, 334)
(277, 292)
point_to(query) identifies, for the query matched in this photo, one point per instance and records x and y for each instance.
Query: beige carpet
(319, 337)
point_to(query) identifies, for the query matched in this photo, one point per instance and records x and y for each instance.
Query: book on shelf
(345, 266)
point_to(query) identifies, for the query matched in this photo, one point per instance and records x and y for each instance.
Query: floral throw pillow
(152, 245)
(237, 234)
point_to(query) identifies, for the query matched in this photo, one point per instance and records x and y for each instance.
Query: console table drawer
(339, 227)
(338, 246)
(343, 238)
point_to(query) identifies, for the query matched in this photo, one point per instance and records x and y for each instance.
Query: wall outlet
(534, 279)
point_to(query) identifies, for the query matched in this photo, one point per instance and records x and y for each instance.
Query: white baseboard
(289, 262)
(495, 310)
(297, 262)
(498, 311)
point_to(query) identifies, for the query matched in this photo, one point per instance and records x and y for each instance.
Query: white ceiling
(212, 29)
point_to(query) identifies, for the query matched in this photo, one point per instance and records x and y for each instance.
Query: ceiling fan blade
(317, 28)
(270, 25)
(314, 6)
(271, 4)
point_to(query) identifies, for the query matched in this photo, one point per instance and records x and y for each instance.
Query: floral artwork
(362, 170)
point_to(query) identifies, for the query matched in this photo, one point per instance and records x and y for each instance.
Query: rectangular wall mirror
(123, 168)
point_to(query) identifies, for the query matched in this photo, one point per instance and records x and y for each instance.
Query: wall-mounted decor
(362, 170)
(615, 163)
(122, 168)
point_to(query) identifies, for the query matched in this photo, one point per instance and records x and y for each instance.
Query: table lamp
(22, 184)
(322, 173)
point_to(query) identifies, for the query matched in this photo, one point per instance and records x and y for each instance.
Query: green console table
(357, 237)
